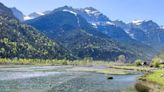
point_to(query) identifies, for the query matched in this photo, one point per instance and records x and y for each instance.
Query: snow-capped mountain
(145, 25)
(104, 24)
(99, 21)
(68, 26)
(18, 14)
(94, 16)
(145, 31)
(138, 31)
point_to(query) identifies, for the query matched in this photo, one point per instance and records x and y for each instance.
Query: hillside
(23, 41)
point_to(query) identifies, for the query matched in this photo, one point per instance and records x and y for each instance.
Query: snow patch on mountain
(161, 27)
(27, 18)
(137, 22)
(130, 34)
(66, 10)
(109, 23)
(92, 12)
(34, 15)
(40, 13)
(72, 12)
(94, 25)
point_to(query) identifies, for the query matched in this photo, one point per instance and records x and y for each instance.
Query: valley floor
(68, 78)
(22, 75)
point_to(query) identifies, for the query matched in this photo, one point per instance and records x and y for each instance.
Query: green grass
(162, 65)
(133, 67)
(104, 70)
(155, 77)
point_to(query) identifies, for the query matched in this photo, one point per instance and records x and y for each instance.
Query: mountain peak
(64, 7)
(137, 22)
(66, 10)
(140, 22)
(35, 15)
(91, 8)
(92, 11)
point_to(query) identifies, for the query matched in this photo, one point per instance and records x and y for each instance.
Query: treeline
(17, 61)
(157, 61)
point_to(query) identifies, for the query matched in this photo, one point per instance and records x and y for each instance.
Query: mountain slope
(104, 25)
(76, 34)
(35, 15)
(5, 11)
(147, 32)
(131, 34)
(23, 41)
(18, 14)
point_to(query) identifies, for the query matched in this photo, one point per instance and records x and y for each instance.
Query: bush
(141, 88)
(121, 59)
(138, 62)
(155, 62)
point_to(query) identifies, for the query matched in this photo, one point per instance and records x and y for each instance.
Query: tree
(138, 62)
(2, 50)
(122, 58)
(155, 62)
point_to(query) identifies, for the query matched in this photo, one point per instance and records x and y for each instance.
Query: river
(26, 78)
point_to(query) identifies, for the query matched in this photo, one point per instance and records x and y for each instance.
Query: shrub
(138, 62)
(155, 62)
(122, 58)
(141, 88)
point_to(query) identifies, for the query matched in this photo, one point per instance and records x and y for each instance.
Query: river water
(25, 78)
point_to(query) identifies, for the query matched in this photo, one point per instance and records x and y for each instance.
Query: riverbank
(154, 80)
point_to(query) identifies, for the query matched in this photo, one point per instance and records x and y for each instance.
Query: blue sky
(126, 10)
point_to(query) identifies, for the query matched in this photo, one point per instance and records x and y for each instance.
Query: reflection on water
(57, 79)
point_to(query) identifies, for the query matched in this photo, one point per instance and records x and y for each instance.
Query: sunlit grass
(162, 65)
(114, 71)
(156, 76)
(133, 67)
